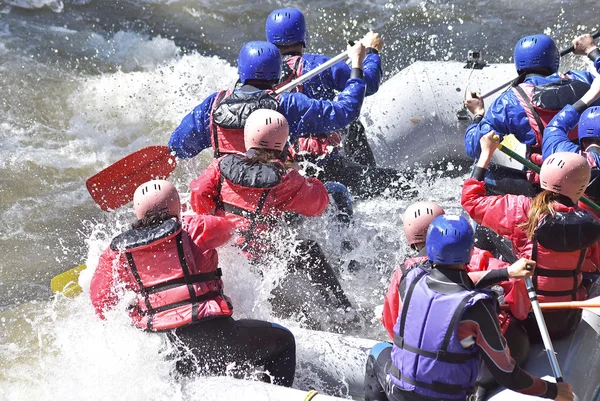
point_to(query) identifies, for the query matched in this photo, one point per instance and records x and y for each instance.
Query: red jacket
(228, 187)
(515, 293)
(200, 236)
(504, 213)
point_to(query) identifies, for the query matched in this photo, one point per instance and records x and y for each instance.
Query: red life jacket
(309, 146)
(543, 102)
(228, 117)
(312, 147)
(249, 199)
(291, 69)
(561, 241)
(175, 290)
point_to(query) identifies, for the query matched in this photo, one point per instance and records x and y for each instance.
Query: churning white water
(84, 83)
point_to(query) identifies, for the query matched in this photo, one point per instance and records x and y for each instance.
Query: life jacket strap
(438, 387)
(557, 273)
(194, 279)
(526, 101)
(215, 133)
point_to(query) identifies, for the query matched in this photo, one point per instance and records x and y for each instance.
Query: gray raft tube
(413, 117)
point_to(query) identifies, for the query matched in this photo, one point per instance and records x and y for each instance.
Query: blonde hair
(541, 205)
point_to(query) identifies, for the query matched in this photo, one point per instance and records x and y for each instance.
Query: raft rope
(310, 395)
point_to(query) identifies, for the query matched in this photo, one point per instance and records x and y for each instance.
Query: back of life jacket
(291, 69)
(563, 233)
(243, 190)
(228, 118)
(543, 102)
(427, 355)
(174, 291)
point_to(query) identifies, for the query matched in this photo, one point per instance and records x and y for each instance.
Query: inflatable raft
(412, 118)
(334, 364)
(578, 356)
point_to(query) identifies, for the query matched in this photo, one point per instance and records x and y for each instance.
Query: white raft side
(578, 357)
(331, 363)
(412, 118)
(228, 388)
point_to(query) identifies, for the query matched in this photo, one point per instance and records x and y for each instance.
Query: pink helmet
(156, 196)
(266, 129)
(417, 218)
(565, 173)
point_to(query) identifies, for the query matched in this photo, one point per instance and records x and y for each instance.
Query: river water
(83, 83)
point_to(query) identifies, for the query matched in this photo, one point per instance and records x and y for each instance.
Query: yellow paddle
(68, 282)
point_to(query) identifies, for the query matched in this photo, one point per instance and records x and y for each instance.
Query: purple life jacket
(427, 355)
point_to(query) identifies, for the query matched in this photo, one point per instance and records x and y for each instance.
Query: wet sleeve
(556, 133)
(487, 278)
(312, 116)
(373, 73)
(208, 232)
(340, 74)
(504, 116)
(103, 287)
(193, 134)
(499, 213)
(479, 326)
(306, 196)
(391, 304)
(203, 189)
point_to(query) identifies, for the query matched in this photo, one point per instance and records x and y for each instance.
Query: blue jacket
(325, 85)
(304, 115)
(507, 116)
(556, 134)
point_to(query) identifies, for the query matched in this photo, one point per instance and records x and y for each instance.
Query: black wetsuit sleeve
(479, 173)
(479, 326)
(492, 277)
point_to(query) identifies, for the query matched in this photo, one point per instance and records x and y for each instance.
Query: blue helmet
(537, 51)
(450, 240)
(259, 60)
(286, 26)
(589, 124)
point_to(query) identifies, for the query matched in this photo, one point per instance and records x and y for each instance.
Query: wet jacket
(304, 116)
(173, 268)
(556, 140)
(482, 262)
(254, 196)
(326, 84)
(556, 136)
(427, 354)
(558, 274)
(506, 115)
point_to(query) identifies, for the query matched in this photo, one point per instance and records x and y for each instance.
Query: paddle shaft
(568, 305)
(595, 35)
(305, 77)
(536, 169)
(537, 311)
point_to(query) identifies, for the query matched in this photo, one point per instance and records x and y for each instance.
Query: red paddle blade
(114, 186)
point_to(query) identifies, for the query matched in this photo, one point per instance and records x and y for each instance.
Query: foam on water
(83, 88)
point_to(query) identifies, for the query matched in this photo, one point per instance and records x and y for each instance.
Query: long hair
(542, 205)
(261, 156)
(152, 219)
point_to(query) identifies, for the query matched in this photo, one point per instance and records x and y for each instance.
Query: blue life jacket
(427, 355)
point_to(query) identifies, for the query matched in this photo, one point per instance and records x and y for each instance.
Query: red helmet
(266, 129)
(417, 218)
(565, 173)
(154, 197)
